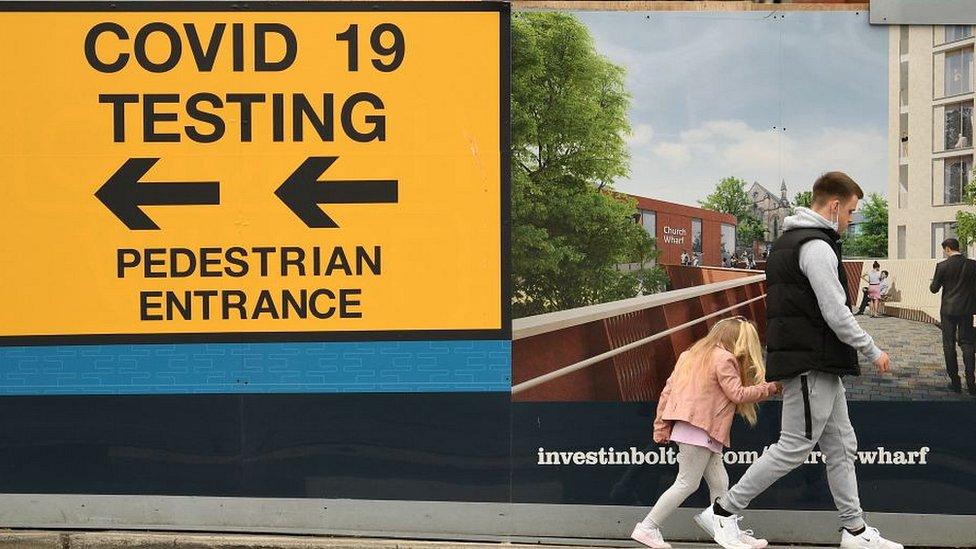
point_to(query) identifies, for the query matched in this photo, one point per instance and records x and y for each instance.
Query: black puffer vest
(798, 338)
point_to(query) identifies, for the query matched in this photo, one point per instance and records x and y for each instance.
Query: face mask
(835, 222)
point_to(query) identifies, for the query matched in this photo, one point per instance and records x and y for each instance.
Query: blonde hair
(738, 336)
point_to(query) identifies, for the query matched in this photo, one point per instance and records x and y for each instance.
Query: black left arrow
(302, 192)
(123, 193)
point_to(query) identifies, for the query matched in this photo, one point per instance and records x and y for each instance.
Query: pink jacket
(709, 402)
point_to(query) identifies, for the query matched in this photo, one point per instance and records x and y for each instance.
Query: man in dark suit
(956, 277)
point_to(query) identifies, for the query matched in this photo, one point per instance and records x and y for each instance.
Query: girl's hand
(661, 438)
(777, 388)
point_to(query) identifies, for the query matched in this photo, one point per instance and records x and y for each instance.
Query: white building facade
(931, 94)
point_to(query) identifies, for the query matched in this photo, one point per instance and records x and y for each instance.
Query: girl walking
(721, 374)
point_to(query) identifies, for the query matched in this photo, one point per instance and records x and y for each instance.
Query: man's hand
(883, 363)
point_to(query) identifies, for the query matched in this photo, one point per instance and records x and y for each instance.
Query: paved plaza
(918, 366)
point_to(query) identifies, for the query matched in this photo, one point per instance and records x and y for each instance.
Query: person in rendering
(874, 288)
(956, 277)
(721, 374)
(885, 289)
(812, 340)
(685, 260)
(865, 301)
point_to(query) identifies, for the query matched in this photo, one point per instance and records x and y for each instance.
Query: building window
(940, 232)
(903, 186)
(696, 235)
(956, 176)
(958, 72)
(728, 238)
(649, 221)
(903, 85)
(957, 32)
(901, 242)
(959, 126)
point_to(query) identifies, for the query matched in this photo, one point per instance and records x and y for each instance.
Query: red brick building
(680, 228)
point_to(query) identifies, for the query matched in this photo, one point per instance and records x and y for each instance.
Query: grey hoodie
(819, 263)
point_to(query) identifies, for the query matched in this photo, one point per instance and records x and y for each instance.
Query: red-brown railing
(852, 267)
(625, 350)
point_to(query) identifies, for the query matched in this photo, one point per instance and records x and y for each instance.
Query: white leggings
(694, 462)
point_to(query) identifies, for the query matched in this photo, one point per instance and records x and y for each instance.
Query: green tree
(804, 199)
(871, 239)
(569, 103)
(966, 220)
(570, 231)
(730, 197)
(749, 230)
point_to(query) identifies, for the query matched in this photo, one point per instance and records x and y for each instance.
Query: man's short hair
(951, 243)
(835, 185)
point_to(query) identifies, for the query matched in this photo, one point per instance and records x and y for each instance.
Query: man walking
(956, 277)
(812, 340)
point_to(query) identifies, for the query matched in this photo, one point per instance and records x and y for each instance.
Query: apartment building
(931, 93)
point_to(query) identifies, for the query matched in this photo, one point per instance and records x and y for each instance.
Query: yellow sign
(315, 169)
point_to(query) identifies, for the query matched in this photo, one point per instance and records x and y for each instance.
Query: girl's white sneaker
(650, 537)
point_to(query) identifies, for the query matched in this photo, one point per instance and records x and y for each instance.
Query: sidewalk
(113, 540)
(918, 365)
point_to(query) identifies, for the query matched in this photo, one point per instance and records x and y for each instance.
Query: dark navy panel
(946, 484)
(294, 367)
(415, 446)
(121, 445)
(446, 447)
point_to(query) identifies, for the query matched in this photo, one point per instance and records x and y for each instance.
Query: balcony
(953, 151)
(953, 42)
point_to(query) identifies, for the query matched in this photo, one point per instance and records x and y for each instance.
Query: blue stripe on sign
(327, 367)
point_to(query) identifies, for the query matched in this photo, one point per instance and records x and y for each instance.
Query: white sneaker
(755, 543)
(650, 537)
(725, 532)
(870, 538)
(706, 518)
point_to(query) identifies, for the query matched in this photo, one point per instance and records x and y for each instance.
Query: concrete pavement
(23, 539)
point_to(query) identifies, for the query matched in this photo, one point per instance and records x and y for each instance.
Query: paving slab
(918, 365)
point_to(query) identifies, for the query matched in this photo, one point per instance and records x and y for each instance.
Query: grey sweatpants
(814, 413)
(694, 463)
